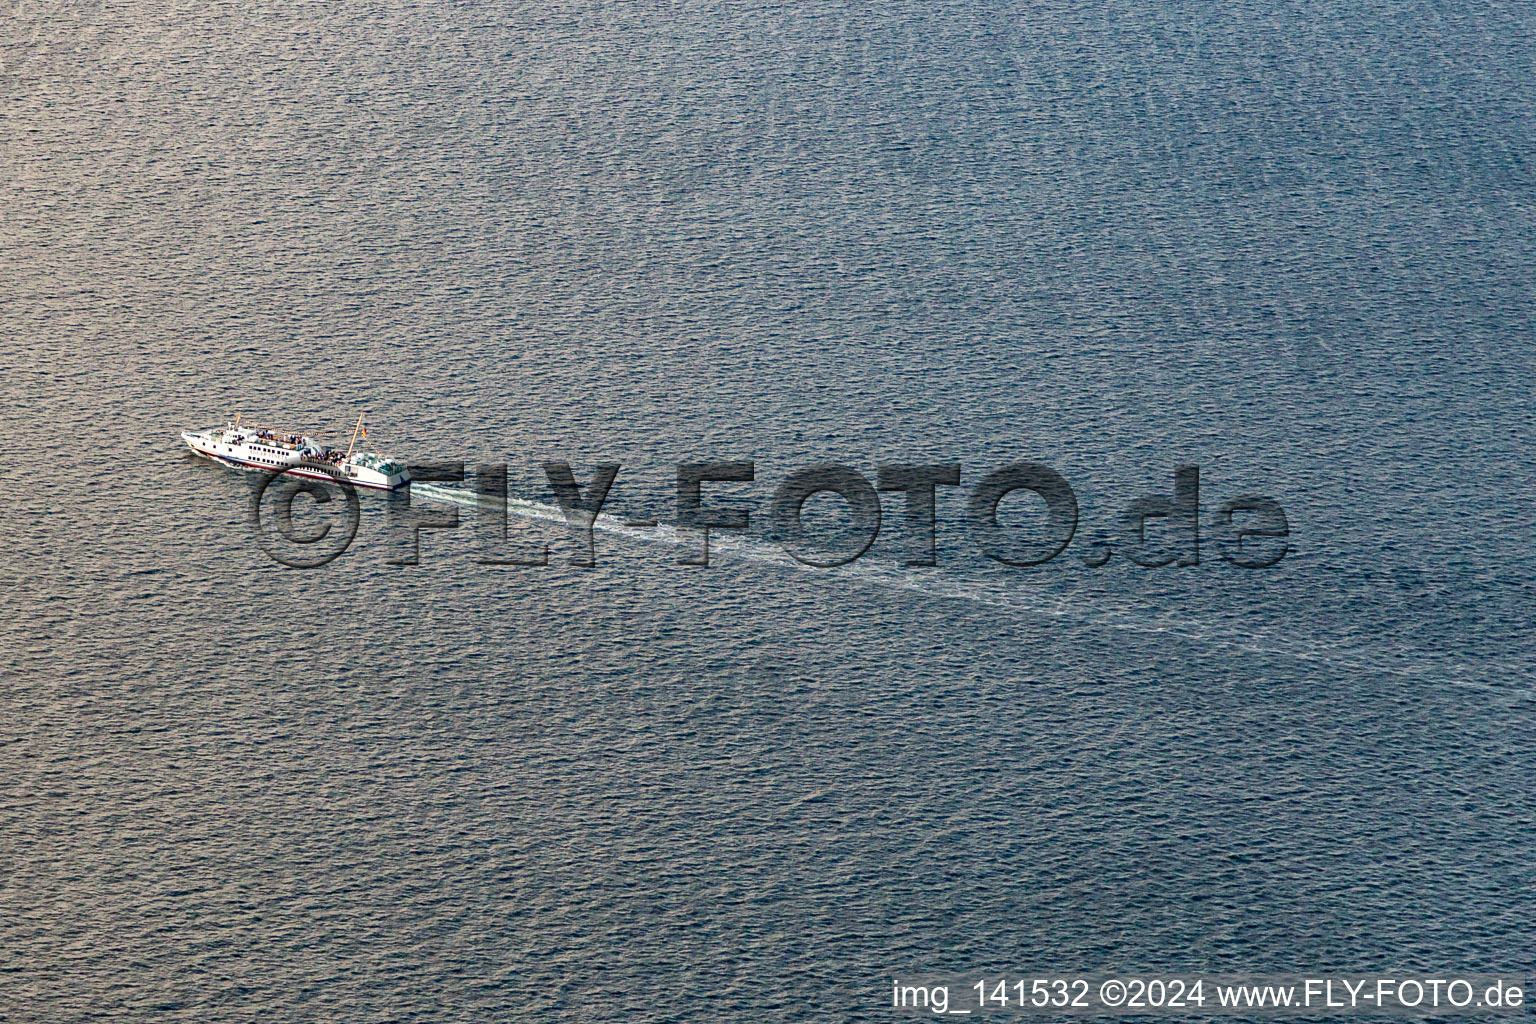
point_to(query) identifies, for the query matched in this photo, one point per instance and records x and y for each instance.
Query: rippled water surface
(1292, 244)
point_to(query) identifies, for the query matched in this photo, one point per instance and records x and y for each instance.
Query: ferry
(252, 447)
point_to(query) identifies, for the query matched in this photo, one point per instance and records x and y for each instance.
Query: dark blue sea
(1290, 244)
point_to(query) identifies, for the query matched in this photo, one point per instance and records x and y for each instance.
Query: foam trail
(898, 577)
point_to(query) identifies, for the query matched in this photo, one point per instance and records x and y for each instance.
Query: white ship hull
(246, 449)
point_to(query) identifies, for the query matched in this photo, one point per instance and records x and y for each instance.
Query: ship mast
(355, 431)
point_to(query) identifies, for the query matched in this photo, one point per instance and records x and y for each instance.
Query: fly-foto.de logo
(1156, 530)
